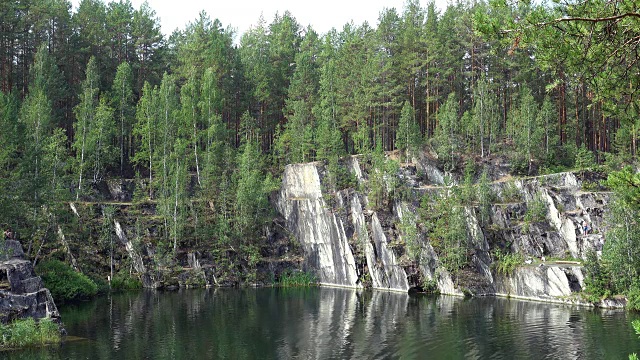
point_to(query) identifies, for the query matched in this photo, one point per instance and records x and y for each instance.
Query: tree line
(210, 121)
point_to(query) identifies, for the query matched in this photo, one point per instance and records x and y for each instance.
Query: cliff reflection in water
(334, 324)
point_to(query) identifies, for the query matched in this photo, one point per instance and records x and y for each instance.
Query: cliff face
(345, 243)
(22, 293)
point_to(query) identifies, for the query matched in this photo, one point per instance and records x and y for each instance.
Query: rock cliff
(346, 243)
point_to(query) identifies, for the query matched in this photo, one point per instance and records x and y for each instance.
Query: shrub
(506, 263)
(584, 158)
(297, 279)
(510, 192)
(122, 281)
(536, 210)
(430, 286)
(28, 332)
(633, 297)
(64, 283)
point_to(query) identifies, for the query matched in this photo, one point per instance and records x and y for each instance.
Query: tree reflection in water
(325, 323)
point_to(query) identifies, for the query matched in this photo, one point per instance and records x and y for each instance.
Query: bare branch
(577, 19)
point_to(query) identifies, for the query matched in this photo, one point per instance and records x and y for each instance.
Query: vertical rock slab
(320, 233)
(392, 275)
(552, 283)
(22, 292)
(136, 259)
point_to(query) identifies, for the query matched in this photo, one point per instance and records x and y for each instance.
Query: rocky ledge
(22, 292)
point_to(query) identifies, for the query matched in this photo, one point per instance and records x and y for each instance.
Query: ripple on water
(339, 324)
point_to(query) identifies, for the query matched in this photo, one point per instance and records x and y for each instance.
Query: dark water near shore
(333, 324)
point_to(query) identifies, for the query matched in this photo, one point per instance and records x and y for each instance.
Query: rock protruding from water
(22, 292)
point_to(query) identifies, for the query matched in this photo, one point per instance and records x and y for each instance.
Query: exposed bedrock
(346, 243)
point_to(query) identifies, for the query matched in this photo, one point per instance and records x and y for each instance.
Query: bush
(122, 281)
(633, 297)
(536, 210)
(297, 279)
(64, 283)
(28, 332)
(511, 193)
(596, 281)
(101, 283)
(584, 158)
(506, 263)
(430, 286)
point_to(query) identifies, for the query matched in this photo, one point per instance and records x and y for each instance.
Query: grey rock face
(541, 282)
(22, 293)
(347, 244)
(320, 232)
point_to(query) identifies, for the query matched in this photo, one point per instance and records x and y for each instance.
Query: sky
(242, 14)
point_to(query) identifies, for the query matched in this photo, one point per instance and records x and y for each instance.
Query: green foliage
(447, 132)
(526, 132)
(64, 283)
(636, 328)
(621, 252)
(409, 232)
(122, 101)
(468, 195)
(447, 229)
(430, 286)
(633, 297)
(29, 333)
(383, 180)
(85, 112)
(584, 158)
(297, 279)
(252, 204)
(597, 278)
(590, 186)
(474, 80)
(536, 210)
(506, 263)
(626, 184)
(124, 281)
(485, 195)
(510, 192)
(408, 136)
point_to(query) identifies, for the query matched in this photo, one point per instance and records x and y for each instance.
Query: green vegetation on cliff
(205, 122)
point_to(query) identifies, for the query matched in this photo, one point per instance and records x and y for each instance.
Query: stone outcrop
(22, 292)
(345, 243)
(319, 230)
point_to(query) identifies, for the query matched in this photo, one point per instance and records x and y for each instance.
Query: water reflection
(334, 324)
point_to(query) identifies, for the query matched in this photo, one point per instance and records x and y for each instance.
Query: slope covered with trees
(206, 118)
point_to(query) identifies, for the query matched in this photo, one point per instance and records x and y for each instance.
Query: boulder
(22, 292)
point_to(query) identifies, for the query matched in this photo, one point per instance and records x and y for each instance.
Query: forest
(206, 119)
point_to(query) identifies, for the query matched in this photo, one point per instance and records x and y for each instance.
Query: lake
(328, 323)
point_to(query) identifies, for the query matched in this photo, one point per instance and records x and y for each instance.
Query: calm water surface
(326, 323)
